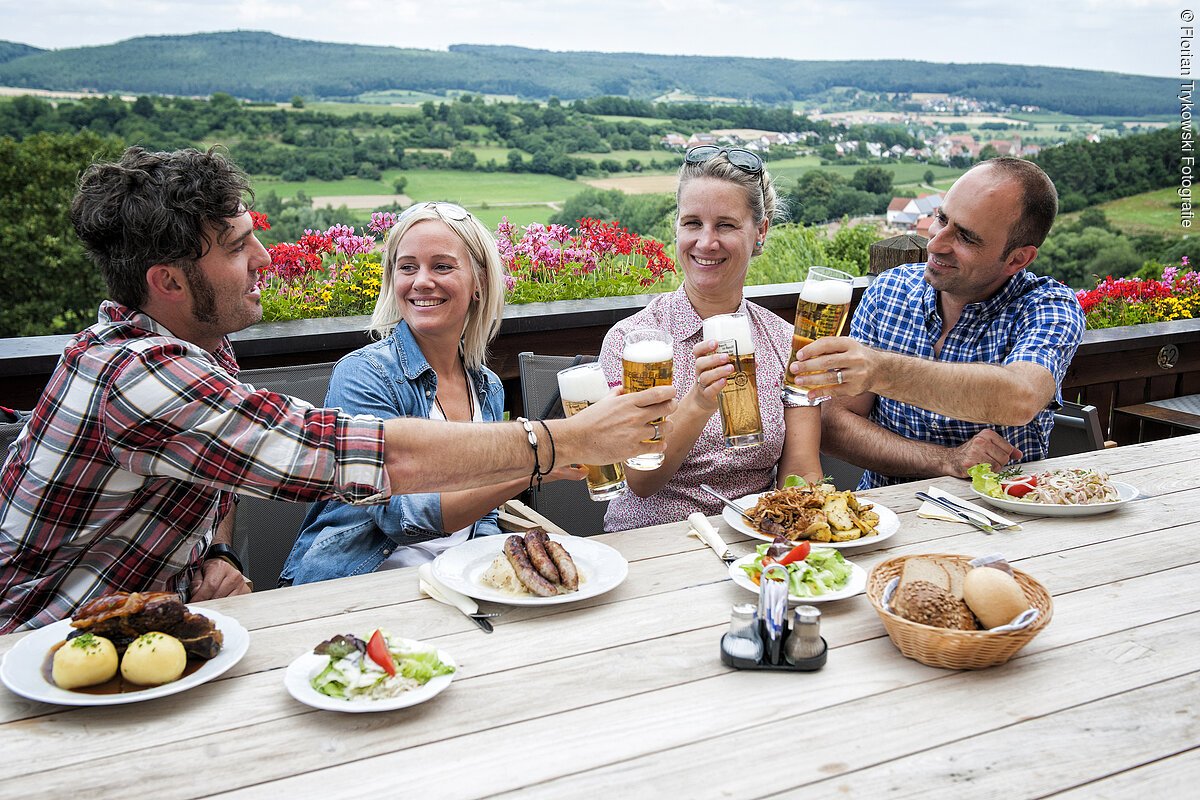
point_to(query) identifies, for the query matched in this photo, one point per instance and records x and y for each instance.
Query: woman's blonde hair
(484, 313)
(764, 201)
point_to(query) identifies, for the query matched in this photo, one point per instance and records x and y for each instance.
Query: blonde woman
(440, 304)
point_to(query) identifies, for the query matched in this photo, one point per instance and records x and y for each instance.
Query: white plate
(22, 668)
(889, 523)
(301, 671)
(856, 584)
(601, 568)
(1125, 492)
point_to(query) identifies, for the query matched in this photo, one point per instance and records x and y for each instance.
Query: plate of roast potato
(124, 648)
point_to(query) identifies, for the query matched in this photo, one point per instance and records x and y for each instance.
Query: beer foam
(831, 293)
(648, 351)
(725, 327)
(582, 384)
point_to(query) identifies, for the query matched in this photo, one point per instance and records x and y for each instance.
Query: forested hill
(263, 66)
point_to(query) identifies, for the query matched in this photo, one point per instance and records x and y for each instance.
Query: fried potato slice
(838, 512)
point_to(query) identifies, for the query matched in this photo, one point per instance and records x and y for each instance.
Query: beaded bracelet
(533, 442)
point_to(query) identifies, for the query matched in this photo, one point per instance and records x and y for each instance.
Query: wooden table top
(625, 693)
(1183, 412)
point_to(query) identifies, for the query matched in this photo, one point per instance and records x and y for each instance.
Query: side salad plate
(855, 585)
(299, 675)
(23, 670)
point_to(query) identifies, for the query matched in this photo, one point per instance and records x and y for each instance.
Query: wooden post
(907, 248)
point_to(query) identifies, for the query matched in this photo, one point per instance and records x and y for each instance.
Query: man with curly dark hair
(125, 477)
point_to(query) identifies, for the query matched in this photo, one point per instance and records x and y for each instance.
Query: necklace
(470, 399)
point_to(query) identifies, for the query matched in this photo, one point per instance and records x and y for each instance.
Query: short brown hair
(151, 208)
(1039, 201)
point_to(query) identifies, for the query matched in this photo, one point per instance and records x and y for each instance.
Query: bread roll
(84, 661)
(994, 596)
(929, 604)
(153, 659)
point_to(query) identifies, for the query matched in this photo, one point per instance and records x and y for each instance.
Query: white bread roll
(994, 596)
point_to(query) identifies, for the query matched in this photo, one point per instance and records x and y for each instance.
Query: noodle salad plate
(889, 523)
(1125, 493)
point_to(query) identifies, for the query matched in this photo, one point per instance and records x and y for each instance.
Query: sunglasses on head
(443, 210)
(741, 158)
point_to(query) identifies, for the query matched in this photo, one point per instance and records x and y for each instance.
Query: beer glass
(821, 311)
(647, 360)
(580, 386)
(741, 424)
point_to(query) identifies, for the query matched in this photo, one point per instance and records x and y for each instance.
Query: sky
(1140, 37)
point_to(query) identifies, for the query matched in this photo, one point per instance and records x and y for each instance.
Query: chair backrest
(1076, 430)
(8, 434)
(265, 530)
(565, 502)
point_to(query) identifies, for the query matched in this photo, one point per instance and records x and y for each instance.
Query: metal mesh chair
(566, 503)
(8, 434)
(265, 530)
(1076, 430)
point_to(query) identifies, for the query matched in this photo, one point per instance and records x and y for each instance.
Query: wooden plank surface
(624, 694)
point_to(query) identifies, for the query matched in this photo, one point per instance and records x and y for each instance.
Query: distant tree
(400, 184)
(297, 101)
(462, 158)
(988, 151)
(50, 285)
(143, 107)
(928, 178)
(368, 171)
(875, 180)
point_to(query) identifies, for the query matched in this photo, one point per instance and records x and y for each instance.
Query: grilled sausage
(535, 545)
(566, 565)
(514, 551)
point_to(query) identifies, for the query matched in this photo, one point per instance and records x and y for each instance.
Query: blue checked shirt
(1031, 318)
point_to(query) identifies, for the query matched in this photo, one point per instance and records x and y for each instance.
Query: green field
(517, 215)
(643, 120)
(1154, 212)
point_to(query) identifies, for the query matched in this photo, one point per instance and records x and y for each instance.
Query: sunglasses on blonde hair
(443, 210)
(741, 158)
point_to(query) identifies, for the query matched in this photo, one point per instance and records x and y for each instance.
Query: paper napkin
(929, 510)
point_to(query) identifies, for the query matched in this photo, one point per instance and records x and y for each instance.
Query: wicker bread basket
(955, 649)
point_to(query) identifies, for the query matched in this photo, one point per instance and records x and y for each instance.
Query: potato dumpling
(152, 659)
(84, 661)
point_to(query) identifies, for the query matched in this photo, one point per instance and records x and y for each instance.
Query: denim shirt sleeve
(360, 385)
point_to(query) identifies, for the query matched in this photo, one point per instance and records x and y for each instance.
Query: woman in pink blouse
(726, 201)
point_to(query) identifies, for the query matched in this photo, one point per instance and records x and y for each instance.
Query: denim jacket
(390, 378)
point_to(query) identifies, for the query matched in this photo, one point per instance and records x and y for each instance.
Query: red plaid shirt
(133, 455)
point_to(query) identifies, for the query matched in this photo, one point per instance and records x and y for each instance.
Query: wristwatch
(226, 553)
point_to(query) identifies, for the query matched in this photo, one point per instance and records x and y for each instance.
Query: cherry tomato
(797, 553)
(378, 651)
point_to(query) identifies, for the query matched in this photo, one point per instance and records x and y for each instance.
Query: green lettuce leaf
(984, 481)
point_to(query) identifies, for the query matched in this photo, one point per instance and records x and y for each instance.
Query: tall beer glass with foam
(580, 386)
(741, 422)
(647, 361)
(821, 311)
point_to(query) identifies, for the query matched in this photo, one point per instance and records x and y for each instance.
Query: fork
(991, 523)
(965, 514)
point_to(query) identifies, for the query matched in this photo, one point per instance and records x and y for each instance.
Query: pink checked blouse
(734, 473)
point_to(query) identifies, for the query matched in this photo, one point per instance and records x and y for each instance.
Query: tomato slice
(378, 651)
(1019, 487)
(797, 553)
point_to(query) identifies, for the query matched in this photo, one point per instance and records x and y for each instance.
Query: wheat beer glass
(580, 386)
(648, 360)
(821, 311)
(741, 424)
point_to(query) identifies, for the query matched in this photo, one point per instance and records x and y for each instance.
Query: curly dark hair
(152, 208)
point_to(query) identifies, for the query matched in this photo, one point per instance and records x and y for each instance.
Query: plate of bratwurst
(536, 569)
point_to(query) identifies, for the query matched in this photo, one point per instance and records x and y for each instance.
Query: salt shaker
(743, 640)
(805, 639)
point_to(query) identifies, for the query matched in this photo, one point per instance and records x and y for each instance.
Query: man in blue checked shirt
(958, 360)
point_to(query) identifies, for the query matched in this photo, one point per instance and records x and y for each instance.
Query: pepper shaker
(805, 640)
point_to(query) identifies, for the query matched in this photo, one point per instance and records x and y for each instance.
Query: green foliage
(821, 195)
(646, 215)
(1087, 173)
(50, 285)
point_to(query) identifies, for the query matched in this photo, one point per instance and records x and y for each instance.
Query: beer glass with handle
(821, 311)
(741, 423)
(580, 386)
(647, 360)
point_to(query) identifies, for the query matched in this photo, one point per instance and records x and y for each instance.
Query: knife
(956, 511)
(708, 534)
(728, 503)
(444, 594)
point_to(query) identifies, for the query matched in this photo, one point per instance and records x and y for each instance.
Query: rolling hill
(264, 66)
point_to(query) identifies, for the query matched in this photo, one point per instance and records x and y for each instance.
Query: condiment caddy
(759, 638)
